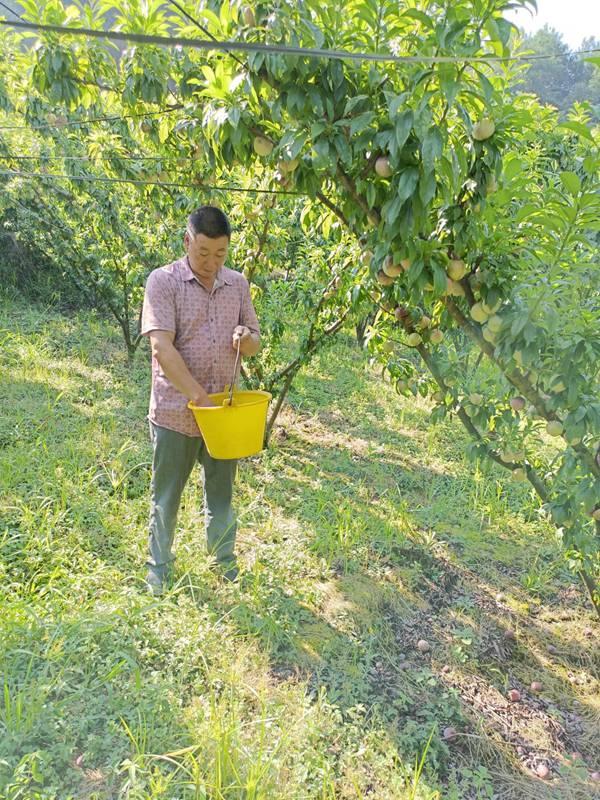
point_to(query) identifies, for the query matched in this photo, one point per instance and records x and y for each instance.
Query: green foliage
(476, 174)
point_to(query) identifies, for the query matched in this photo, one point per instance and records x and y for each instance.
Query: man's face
(206, 255)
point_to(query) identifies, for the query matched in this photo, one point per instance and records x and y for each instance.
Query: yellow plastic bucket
(236, 430)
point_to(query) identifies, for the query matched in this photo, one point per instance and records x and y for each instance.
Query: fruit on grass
(514, 695)
(536, 686)
(542, 771)
(423, 646)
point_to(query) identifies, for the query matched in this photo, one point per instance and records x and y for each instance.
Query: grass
(362, 530)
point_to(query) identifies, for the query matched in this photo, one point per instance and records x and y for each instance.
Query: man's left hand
(241, 334)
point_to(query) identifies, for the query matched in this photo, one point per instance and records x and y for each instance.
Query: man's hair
(210, 221)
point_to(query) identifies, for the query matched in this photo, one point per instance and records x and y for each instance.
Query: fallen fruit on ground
(542, 771)
(450, 733)
(423, 646)
(514, 695)
(536, 686)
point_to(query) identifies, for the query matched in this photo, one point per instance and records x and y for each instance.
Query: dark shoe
(231, 575)
(154, 584)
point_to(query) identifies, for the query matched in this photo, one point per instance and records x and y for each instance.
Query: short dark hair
(210, 221)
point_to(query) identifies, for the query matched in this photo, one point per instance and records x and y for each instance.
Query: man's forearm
(179, 375)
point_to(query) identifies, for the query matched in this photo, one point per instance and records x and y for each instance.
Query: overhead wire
(10, 10)
(77, 122)
(204, 30)
(42, 157)
(96, 179)
(255, 47)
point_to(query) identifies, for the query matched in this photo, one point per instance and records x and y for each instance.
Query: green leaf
(413, 13)
(391, 209)
(519, 323)
(361, 122)
(579, 128)
(440, 279)
(403, 127)
(571, 182)
(427, 187)
(408, 182)
(431, 146)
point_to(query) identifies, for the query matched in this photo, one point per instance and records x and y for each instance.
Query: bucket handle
(228, 401)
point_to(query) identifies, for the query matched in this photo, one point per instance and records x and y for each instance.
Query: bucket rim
(262, 396)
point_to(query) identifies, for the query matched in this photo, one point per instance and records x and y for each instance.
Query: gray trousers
(174, 456)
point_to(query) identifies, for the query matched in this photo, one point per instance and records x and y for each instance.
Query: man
(196, 311)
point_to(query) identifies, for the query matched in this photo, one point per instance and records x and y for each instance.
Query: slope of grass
(362, 531)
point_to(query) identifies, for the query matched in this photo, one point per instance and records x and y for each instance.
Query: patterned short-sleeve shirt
(203, 322)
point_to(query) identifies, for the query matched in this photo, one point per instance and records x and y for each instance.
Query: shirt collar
(188, 275)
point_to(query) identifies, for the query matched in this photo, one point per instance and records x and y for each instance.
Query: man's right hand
(202, 400)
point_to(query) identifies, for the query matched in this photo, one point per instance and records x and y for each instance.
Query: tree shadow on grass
(427, 593)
